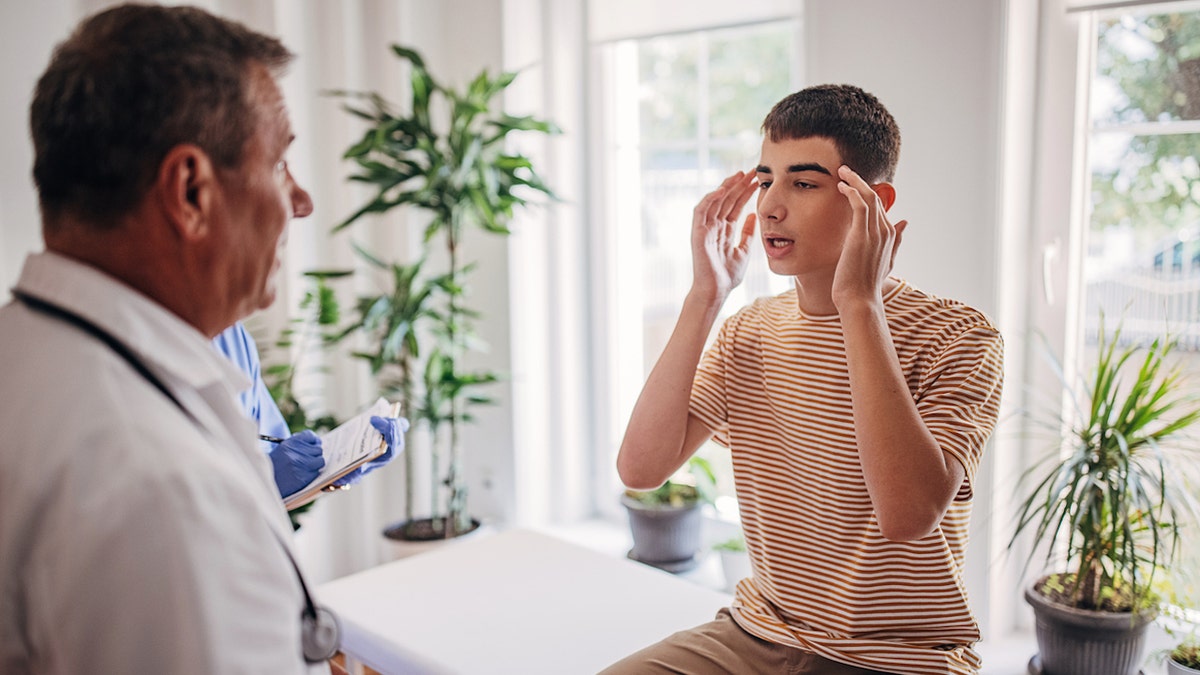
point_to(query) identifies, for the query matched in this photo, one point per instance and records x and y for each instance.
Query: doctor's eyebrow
(798, 168)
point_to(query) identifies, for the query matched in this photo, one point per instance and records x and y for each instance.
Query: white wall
(25, 44)
(937, 66)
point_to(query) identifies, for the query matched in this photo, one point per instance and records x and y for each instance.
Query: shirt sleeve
(959, 396)
(708, 401)
(239, 347)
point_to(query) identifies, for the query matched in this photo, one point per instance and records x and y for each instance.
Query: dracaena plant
(444, 154)
(1111, 502)
(1181, 609)
(304, 335)
(390, 320)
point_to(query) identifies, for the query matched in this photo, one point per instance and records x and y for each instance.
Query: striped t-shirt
(774, 388)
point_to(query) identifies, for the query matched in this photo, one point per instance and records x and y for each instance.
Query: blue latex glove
(297, 461)
(392, 429)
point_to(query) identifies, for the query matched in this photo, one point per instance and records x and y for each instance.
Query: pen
(269, 439)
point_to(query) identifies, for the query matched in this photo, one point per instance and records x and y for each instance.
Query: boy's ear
(186, 183)
(886, 193)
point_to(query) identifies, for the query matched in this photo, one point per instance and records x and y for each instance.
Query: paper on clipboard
(346, 447)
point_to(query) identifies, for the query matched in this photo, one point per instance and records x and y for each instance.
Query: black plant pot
(410, 537)
(425, 529)
(1084, 642)
(666, 537)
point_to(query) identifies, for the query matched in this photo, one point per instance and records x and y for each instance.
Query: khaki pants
(720, 647)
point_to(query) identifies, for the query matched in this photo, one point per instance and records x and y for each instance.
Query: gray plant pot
(1174, 668)
(1083, 642)
(663, 536)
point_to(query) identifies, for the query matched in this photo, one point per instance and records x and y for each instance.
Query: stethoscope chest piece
(321, 634)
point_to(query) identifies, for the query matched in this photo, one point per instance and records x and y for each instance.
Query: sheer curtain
(346, 45)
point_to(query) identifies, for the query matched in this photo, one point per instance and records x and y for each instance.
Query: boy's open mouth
(779, 242)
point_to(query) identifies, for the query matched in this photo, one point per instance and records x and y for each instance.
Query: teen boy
(856, 408)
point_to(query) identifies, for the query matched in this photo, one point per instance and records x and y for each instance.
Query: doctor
(140, 529)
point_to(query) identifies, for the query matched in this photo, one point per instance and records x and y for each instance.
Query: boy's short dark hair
(863, 130)
(128, 85)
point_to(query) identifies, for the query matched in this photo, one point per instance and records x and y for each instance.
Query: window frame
(621, 175)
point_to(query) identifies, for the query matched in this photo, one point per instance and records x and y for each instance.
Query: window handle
(1049, 256)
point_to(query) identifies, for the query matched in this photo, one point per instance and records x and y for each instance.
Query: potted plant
(304, 335)
(390, 320)
(735, 560)
(1180, 614)
(1111, 503)
(1184, 659)
(665, 522)
(444, 156)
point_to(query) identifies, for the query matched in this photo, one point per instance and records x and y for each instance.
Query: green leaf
(500, 83)
(361, 148)
(513, 162)
(327, 274)
(367, 255)
(409, 55)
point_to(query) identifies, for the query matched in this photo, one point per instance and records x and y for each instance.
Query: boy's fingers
(747, 190)
(896, 245)
(850, 177)
(854, 196)
(734, 189)
(854, 182)
(748, 230)
(709, 207)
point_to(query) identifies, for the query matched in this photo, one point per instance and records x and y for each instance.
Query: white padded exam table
(515, 602)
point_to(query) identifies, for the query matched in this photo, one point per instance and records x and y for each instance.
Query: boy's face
(802, 217)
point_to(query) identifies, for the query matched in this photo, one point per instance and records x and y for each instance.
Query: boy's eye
(802, 184)
(764, 184)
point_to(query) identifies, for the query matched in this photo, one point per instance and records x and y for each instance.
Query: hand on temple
(393, 429)
(296, 461)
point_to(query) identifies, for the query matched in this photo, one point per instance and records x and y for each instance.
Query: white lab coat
(132, 538)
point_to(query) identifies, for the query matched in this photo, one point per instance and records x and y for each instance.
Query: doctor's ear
(886, 193)
(185, 182)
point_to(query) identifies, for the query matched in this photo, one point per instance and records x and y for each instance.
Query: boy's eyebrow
(797, 168)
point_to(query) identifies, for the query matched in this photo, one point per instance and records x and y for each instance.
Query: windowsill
(1006, 655)
(613, 538)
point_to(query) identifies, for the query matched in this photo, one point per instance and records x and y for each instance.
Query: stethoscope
(320, 630)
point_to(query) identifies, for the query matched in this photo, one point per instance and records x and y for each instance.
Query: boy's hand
(719, 250)
(871, 243)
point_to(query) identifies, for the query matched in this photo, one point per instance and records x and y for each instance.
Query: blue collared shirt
(236, 344)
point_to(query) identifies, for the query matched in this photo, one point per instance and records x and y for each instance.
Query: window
(1142, 258)
(681, 112)
(1140, 249)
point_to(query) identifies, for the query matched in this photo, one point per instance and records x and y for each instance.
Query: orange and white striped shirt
(774, 388)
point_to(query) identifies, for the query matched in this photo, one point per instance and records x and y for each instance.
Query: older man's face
(260, 197)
